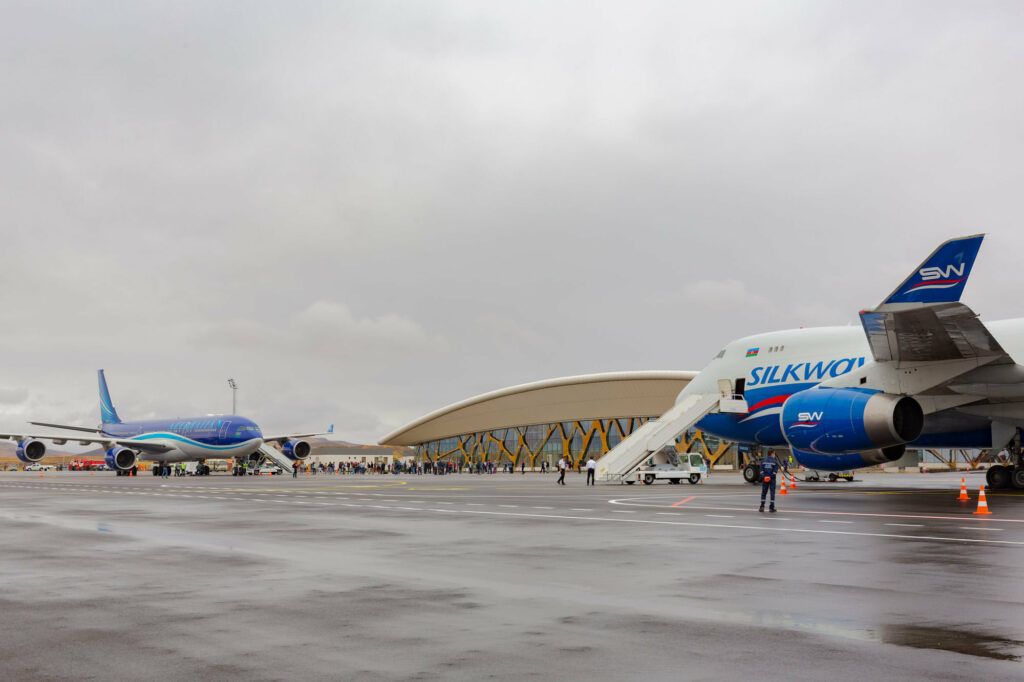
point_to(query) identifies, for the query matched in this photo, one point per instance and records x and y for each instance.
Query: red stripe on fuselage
(767, 402)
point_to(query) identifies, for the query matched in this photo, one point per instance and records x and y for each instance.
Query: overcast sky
(365, 211)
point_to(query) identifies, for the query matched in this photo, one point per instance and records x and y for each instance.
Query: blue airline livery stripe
(174, 436)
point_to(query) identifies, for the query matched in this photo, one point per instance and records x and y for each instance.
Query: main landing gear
(1004, 476)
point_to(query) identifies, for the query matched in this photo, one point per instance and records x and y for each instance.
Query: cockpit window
(721, 354)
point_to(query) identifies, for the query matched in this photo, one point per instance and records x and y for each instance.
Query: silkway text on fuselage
(802, 371)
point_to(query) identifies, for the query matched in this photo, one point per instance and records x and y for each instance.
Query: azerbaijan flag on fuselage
(752, 352)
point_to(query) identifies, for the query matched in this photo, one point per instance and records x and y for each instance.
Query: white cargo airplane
(924, 372)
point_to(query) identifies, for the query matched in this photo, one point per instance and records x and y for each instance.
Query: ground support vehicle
(676, 468)
(832, 476)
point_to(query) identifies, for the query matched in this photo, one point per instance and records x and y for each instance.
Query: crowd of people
(426, 467)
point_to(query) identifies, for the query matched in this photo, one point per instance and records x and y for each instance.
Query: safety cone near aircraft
(982, 504)
(783, 491)
(792, 482)
(963, 491)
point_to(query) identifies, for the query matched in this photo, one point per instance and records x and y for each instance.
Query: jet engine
(840, 421)
(296, 449)
(30, 450)
(121, 458)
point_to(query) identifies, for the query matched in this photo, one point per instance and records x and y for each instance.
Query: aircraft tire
(750, 474)
(1018, 478)
(998, 478)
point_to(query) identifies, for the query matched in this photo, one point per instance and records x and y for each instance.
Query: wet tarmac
(505, 577)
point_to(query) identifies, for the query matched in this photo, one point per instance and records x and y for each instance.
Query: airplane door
(225, 429)
(740, 385)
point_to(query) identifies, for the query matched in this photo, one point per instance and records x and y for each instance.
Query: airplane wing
(292, 436)
(923, 319)
(66, 427)
(106, 441)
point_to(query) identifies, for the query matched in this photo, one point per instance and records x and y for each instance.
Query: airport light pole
(234, 395)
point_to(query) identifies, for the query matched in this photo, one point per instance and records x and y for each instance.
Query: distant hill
(322, 446)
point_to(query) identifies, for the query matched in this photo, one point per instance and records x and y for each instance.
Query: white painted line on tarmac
(907, 525)
(542, 507)
(592, 510)
(979, 528)
(827, 521)
(695, 524)
(509, 506)
(621, 511)
(720, 516)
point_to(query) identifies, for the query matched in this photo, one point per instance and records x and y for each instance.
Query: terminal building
(575, 417)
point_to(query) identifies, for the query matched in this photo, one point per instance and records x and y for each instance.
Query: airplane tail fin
(942, 276)
(107, 412)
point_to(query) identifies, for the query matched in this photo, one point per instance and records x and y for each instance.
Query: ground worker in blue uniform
(769, 468)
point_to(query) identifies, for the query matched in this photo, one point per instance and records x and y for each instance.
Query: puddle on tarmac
(957, 641)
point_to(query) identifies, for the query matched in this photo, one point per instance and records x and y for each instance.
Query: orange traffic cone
(963, 492)
(792, 482)
(92, 473)
(783, 491)
(982, 504)
(40, 474)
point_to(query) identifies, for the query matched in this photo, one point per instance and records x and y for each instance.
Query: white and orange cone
(792, 482)
(963, 492)
(783, 491)
(982, 504)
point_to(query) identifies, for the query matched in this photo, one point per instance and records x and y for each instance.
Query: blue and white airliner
(922, 371)
(162, 440)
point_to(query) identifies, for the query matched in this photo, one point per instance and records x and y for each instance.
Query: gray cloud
(363, 211)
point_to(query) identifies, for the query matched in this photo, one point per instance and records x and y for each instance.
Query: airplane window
(721, 354)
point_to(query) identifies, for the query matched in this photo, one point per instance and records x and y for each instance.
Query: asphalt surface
(504, 577)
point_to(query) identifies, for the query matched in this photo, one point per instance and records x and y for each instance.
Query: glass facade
(548, 442)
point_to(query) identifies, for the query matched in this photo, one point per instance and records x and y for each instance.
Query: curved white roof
(589, 396)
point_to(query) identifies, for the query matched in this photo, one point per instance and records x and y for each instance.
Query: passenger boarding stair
(622, 461)
(267, 451)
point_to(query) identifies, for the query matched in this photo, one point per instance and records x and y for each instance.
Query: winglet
(331, 430)
(107, 412)
(942, 276)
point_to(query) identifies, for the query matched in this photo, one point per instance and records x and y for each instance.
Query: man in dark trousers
(561, 471)
(769, 468)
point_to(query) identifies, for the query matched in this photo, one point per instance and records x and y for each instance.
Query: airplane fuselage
(192, 438)
(773, 366)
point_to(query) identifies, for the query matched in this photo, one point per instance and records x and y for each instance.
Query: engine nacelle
(121, 458)
(30, 450)
(838, 421)
(850, 460)
(296, 449)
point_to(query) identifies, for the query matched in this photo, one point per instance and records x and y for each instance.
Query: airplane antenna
(234, 395)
